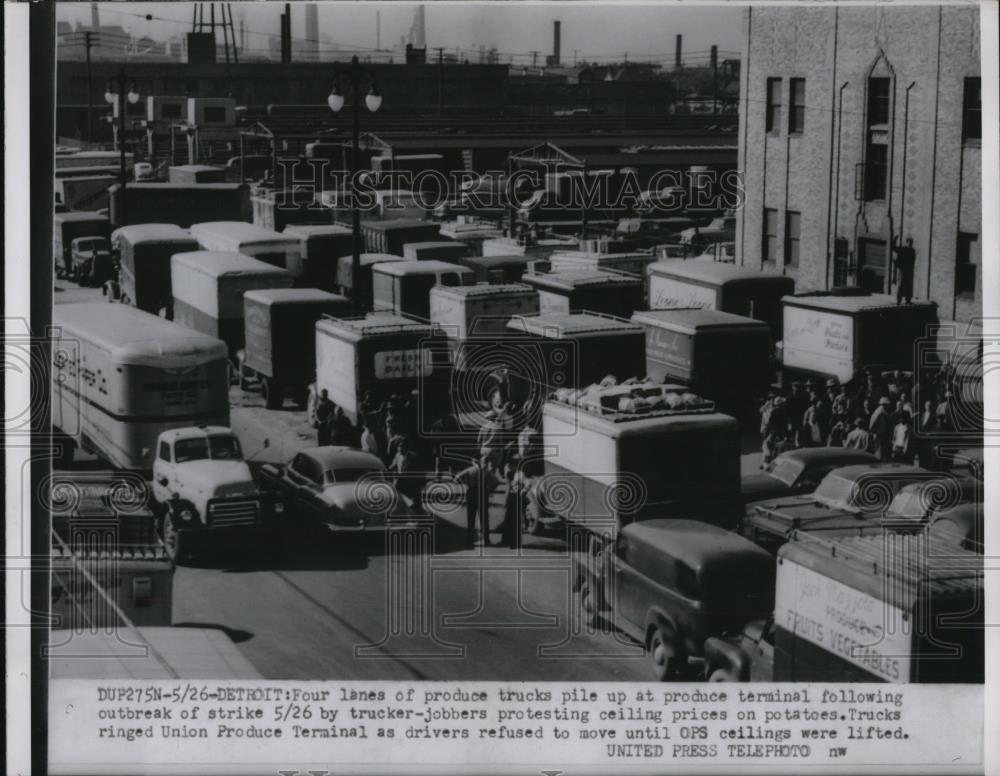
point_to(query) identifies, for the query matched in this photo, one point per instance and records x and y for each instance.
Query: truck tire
(661, 647)
(177, 542)
(271, 390)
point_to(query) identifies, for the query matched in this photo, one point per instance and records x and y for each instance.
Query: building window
(769, 242)
(170, 110)
(215, 114)
(797, 106)
(793, 226)
(773, 104)
(972, 110)
(966, 263)
(877, 138)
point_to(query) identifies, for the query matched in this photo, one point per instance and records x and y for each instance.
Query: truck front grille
(223, 513)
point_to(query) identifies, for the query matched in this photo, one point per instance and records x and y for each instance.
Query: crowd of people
(884, 413)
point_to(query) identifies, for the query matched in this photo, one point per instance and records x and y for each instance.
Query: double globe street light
(112, 98)
(355, 75)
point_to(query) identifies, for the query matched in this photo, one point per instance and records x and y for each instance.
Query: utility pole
(534, 59)
(715, 79)
(575, 52)
(88, 41)
(677, 52)
(440, 52)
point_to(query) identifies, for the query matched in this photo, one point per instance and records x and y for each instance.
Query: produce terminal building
(858, 125)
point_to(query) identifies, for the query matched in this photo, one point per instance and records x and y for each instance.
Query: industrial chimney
(95, 19)
(556, 43)
(312, 32)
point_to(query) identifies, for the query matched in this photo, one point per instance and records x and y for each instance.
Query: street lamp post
(113, 97)
(355, 74)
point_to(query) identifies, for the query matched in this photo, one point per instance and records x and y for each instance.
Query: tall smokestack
(418, 32)
(556, 42)
(95, 18)
(312, 32)
(677, 52)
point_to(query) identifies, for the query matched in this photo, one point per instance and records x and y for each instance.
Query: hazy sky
(597, 30)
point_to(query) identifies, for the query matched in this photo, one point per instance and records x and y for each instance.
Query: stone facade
(932, 173)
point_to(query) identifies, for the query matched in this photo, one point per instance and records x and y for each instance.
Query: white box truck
(275, 248)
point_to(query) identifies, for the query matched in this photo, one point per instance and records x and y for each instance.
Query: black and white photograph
(501, 386)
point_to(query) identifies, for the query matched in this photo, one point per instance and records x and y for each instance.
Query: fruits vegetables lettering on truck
(144, 253)
(201, 485)
(252, 240)
(208, 288)
(719, 355)
(280, 325)
(831, 335)
(384, 354)
(120, 377)
(636, 451)
(728, 288)
(878, 608)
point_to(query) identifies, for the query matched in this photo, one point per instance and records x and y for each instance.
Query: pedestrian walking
(903, 448)
(860, 438)
(407, 478)
(369, 441)
(323, 418)
(479, 480)
(838, 431)
(880, 425)
(906, 259)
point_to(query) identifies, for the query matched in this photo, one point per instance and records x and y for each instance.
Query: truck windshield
(216, 448)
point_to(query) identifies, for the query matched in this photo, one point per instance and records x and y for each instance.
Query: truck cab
(201, 483)
(91, 260)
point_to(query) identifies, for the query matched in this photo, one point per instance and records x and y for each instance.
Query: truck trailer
(144, 253)
(182, 204)
(265, 245)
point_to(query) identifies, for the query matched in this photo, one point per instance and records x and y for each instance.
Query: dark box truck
(196, 173)
(144, 252)
(360, 289)
(280, 324)
(315, 266)
(391, 236)
(837, 336)
(599, 291)
(725, 287)
(441, 250)
(67, 227)
(496, 269)
(882, 608)
(721, 356)
(182, 204)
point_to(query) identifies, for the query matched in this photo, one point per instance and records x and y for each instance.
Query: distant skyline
(602, 32)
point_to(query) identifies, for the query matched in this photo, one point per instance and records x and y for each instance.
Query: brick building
(858, 125)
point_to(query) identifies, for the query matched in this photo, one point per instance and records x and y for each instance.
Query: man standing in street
(881, 427)
(324, 418)
(479, 480)
(906, 259)
(859, 438)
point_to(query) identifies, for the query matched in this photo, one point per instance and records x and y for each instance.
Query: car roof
(693, 541)
(341, 456)
(716, 272)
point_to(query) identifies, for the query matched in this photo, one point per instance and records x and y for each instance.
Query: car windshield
(220, 447)
(836, 491)
(786, 470)
(353, 474)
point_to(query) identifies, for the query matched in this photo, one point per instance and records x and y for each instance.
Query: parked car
(850, 500)
(962, 526)
(670, 584)
(920, 501)
(338, 488)
(747, 657)
(799, 471)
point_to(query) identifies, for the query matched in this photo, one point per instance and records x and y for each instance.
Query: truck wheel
(271, 389)
(176, 542)
(721, 675)
(662, 650)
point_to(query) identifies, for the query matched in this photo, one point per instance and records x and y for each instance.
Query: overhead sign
(819, 342)
(857, 627)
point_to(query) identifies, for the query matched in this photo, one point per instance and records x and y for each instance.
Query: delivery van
(144, 252)
(728, 288)
(67, 227)
(249, 239)
(828, 335)
(360, 289)
(383, 354)
(617, 454)
(599, 291)
(405, 286)
(721, 356)
(280, 325)
(208, 288)
(315, 266)
(878, 608)
(121, 376)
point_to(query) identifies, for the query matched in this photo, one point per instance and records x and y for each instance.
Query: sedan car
(850, 500)
(339, 488)
(799, 471)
